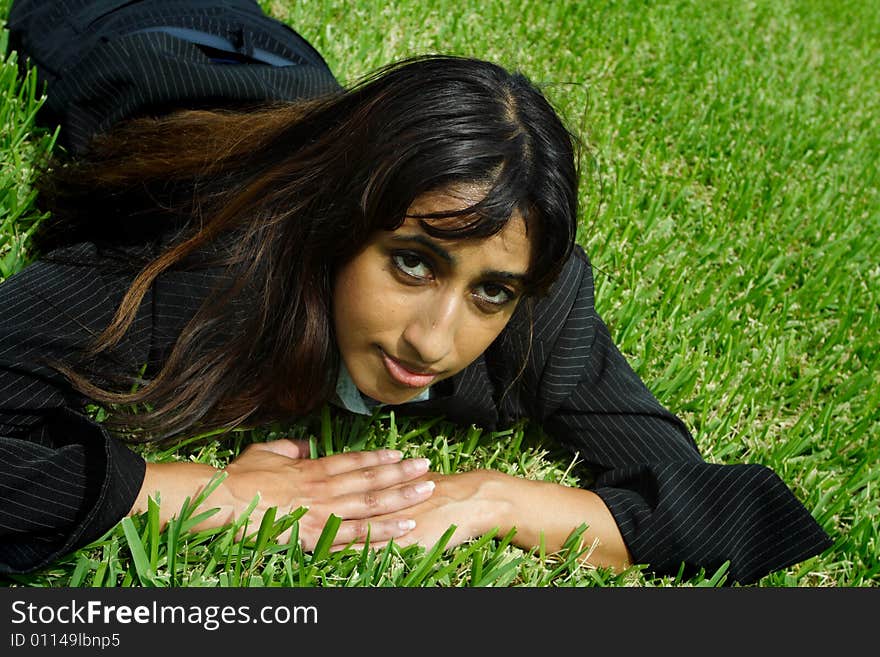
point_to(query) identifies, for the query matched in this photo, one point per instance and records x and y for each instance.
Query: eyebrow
(443, 254)
(429, 244)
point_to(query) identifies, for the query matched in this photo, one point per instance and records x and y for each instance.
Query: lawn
(730, 205)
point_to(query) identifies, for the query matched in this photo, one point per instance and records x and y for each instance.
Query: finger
(400, 541)
(376, 478)
(352, 531)
(292, 449)
(358, 531)
(347, 461)
(373, 503)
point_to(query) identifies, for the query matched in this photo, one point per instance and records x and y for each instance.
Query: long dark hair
(292, 192)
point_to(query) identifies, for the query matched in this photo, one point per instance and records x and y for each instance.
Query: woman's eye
(496, 295)
(411, 265)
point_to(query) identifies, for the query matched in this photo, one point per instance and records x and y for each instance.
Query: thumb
(292, 449)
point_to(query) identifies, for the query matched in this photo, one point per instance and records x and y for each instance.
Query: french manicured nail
(417, 465)
(406, 525)
(392, 455)
(424, 487)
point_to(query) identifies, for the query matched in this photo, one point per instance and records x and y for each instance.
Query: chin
(396, 398)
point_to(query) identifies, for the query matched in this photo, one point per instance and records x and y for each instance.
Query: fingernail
(424, 487)
(406, 525)
(392, 455)
(417, 465)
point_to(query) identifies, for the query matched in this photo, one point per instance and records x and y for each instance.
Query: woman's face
(411, 310)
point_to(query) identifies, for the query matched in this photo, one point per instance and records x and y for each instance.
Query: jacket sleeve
(63, 480)
(671, 506)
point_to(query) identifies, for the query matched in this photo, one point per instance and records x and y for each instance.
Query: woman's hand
(541, 512)
(474, 501)
(359, 487)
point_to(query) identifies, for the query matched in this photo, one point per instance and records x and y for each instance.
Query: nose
(432, 326)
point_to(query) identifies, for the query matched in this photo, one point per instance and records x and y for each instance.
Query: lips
(405, 376)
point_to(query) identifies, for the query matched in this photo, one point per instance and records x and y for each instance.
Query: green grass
(730, 206)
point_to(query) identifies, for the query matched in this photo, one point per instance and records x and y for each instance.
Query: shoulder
(568, 306)
(543, 350)
(58, 302)
(568, 303)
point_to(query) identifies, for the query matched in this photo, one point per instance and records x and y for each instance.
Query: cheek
(477, 334)
(363, 302)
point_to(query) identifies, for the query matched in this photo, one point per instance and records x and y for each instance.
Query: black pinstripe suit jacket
(65, 481)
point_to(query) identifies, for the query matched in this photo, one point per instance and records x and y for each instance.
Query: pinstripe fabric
(100, 69)
(65, 480)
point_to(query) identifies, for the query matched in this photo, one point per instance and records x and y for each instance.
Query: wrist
(502, 496)
(170, 484)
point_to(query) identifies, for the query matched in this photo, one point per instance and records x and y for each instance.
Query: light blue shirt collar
(353, 400)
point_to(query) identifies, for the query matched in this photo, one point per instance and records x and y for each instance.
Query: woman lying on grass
(236, 240)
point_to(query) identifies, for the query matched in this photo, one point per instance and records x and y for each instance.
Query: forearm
(550, 512)
(171, 484)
